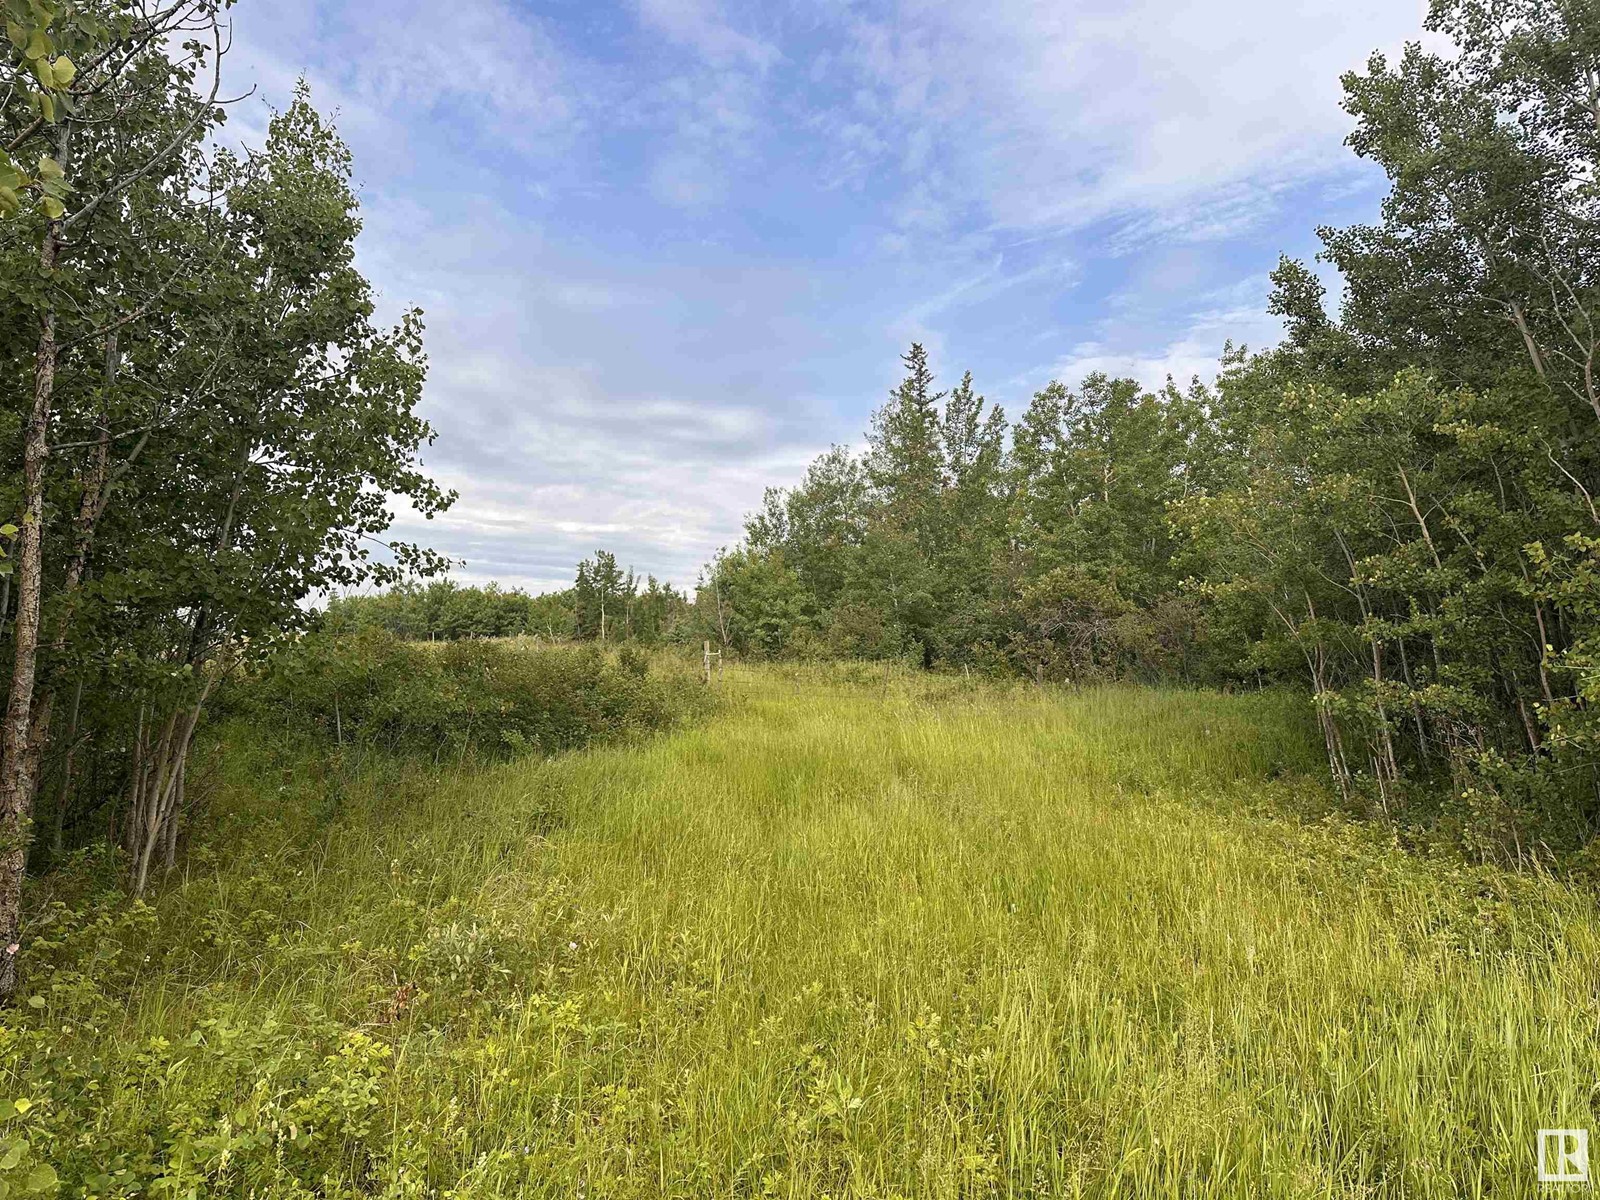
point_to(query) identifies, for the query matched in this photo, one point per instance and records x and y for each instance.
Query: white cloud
(1059, 115)
(1186, 358)
(782, 197)
(700, 25)
(709, 107)
(391, 76)
(585, 403)
(1235, 314)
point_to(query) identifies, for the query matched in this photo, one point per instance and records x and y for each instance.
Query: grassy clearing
(858, 935)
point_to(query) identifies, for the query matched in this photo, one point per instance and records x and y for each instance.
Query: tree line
(204, 423)
(1394, 508)
(443, 610)
(606, 604)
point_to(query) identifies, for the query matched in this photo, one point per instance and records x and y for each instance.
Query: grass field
(856, 935)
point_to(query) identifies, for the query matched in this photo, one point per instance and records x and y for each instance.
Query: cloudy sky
(671, 249)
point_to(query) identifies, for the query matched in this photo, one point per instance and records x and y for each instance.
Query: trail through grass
(887, 937)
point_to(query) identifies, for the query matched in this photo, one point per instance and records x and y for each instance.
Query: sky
(671, 250)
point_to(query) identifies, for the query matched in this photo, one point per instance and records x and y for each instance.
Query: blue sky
(671, 249)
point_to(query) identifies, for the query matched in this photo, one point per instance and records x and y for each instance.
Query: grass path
(896, 938)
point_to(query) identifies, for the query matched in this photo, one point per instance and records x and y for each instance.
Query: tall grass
(858, 935)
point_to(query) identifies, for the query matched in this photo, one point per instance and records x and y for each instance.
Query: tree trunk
(16, 783)
(170, 839)
(155, 814)
(91, 505)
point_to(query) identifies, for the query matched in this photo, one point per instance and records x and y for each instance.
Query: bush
(487, 699)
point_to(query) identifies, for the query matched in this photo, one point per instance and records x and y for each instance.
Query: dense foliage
(606, 604)
(959, 540)
(442, 610)
(203, 422)
(486, 699)
(1394, 507)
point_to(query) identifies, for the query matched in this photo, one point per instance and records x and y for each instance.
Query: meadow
(855, 933)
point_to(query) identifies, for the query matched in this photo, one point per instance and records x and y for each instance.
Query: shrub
(487, 699)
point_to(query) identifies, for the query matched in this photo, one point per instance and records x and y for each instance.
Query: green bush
(485, 699)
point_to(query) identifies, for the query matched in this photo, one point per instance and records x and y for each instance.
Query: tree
(1487, 248)
(905, 461)
(601, 598)
(291, 462)
(656, 612)
(228, 429)
(761, 607)
(972, 511)
(1426, 461)
(106, 74)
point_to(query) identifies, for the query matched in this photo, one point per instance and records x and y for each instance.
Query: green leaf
(8, 200)
(42, 1178)
(35, 1001)
(8, 530)
(38, 45)
(65, 71)
(17, 35)
(47, 106)
(13, 1155)
(49, 168)
(53, 208)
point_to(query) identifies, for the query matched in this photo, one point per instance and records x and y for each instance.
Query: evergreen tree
(972, 517)
(906, 460)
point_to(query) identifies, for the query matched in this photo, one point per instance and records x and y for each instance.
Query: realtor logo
(1563, 1156)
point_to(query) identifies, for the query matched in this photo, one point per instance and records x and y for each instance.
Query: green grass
(857, 935)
